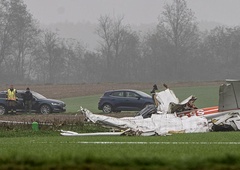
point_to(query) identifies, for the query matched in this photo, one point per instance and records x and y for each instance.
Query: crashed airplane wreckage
(170, 117)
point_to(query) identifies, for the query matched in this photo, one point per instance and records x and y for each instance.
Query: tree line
(175, 50)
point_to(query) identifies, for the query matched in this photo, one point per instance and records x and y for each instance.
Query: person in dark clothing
(153, 92)
(27, 100)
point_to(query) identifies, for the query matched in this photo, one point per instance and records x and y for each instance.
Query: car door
(19, 101)
(133, 101)
(117, 100)
(35, 103)
(20, 104)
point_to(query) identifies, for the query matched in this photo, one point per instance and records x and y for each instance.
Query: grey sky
(134, 11)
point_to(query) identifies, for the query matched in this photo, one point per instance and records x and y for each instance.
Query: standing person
(153, 92)
(12, 99)
(27, 100)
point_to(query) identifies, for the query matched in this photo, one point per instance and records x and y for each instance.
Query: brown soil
(75, 90)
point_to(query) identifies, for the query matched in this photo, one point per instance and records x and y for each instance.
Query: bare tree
(6, 29)
(155, 50)
(115, 38)
(105, 32)
(178, 25)
(25, 34)
(74, 66)
(220, 51)
(51, 43)
(17, 35)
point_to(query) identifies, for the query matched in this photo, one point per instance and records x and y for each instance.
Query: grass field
(46, 149)
(91, 102)
(180, 151)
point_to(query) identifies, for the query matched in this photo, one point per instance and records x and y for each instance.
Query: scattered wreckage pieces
(71, 133)
(227, 122)
(171, 116)
(147, 111)
(127, 132)
(157, 124)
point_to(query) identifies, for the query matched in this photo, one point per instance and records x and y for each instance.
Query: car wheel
(2, 110)
(45, 109)
(107, 108)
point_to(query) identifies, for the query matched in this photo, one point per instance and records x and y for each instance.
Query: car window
(144, 94)
(37, 95)
(118, 94)
(20, 95)
(131, 94)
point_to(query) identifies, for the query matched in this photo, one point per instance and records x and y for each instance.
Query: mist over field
(70, 43)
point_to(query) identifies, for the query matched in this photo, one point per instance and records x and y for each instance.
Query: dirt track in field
(76, 90)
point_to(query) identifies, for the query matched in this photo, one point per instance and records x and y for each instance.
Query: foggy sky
(134, 11)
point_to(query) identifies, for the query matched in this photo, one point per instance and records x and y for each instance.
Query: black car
(40, 103)
(124, 100)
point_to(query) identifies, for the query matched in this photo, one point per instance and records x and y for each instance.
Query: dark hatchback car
(124, 100)
(40, 103)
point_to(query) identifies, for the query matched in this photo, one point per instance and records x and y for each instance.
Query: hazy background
(93, 41)
(134, 11)
(78, 18)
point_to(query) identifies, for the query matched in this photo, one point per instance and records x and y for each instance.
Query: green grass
(206, 95)
(73, 104)
(179, 151)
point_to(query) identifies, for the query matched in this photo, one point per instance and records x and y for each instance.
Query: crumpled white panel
(159, 124)
(165, 97)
